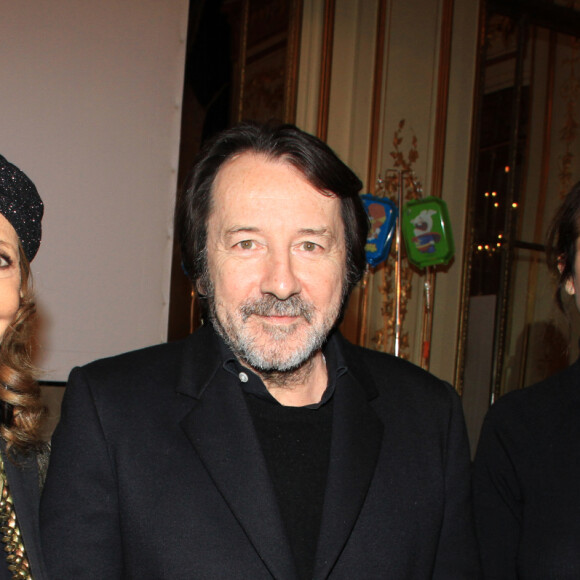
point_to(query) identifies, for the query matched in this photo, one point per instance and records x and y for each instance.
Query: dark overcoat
(157, 473)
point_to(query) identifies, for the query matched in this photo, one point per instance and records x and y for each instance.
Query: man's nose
(280, 278)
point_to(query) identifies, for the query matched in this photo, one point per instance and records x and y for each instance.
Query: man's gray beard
(244, 346)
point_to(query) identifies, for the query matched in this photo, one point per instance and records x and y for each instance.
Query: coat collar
(220, 429)
(204, 357)
(201, 361)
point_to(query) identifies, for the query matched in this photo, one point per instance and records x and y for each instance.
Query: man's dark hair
(562, 237)
(312, 157)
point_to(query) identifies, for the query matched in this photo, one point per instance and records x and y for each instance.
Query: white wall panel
(90, 107)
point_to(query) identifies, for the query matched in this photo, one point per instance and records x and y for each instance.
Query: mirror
(525, 158)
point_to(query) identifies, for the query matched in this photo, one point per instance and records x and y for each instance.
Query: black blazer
(156, 472)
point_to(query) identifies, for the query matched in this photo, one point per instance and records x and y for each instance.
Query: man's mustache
(269, 305)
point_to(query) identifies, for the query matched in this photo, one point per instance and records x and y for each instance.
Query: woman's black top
(527, 482)
(23, 478)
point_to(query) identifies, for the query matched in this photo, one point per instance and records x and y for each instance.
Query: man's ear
(200, 289)
(569, 284)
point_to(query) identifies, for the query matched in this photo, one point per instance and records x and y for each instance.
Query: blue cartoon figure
(382, 214)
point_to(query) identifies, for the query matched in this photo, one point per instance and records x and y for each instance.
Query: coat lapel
(356, 440)
(220, 429)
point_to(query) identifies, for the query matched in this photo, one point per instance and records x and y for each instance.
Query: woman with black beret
(23, 453)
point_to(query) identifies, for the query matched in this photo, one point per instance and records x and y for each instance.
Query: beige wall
(455, 183)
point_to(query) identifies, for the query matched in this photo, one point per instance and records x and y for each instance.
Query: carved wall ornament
(398, 184)
(500, 36)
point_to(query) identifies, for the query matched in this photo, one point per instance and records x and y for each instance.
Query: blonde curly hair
(19, 389)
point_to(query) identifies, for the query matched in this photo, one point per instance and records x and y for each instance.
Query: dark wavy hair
(561, 240)
(22, 409)
(313, 158)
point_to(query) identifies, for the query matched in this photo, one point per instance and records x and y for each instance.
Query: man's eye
(246, 244)
(309, 246)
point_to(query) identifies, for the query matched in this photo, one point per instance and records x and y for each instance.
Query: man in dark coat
(264, 445)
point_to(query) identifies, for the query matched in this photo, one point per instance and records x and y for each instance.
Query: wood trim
(438, 160)
(541, 206)
(377, 96)
(292, 61)
(242, 58)
(442, 98)
(326, 69)
(546, 150)
(509, 228)
(468, 236)
(373, 155)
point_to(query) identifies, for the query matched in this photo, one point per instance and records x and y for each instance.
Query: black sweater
(296, 445)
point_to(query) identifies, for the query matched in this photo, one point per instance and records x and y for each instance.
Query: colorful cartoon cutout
(382, 214)
(427, 232)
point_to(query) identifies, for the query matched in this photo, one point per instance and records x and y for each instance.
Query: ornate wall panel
(387, 69)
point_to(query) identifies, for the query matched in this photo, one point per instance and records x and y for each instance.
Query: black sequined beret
(21, 205)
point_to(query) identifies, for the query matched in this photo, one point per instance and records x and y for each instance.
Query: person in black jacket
(23, 452)
(527, 472)
(264, 445)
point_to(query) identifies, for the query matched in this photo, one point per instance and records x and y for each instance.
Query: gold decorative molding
(268, 60)
(373, 153)
(242, 59)
(292, 60)
(401, 176)
(444, 71)
(468, 234)
(326, 69)
(438, 164)
(377, 95)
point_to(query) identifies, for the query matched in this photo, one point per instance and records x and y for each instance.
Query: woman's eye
(5, 261)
